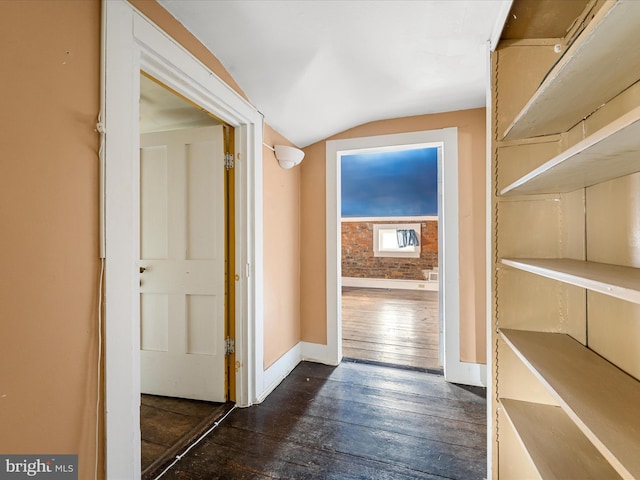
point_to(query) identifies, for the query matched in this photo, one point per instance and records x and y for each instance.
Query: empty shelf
(609, 153)
(556, 446)
(601, 399)
(601, 63)
(613, 280)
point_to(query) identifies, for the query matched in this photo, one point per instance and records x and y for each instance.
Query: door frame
(131, 44)
(455, 370)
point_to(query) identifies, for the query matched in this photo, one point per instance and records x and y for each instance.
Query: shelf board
(601, 63)
(613, 280)
(609, 153)
(602, 400)
(556, 446)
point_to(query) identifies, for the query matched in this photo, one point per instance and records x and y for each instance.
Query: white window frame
(406, 252)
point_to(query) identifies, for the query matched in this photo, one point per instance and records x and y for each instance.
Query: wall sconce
(288, 157)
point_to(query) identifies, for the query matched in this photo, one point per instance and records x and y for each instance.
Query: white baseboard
(279, 370)
(315, 352)
(390, 283)
(466, 374)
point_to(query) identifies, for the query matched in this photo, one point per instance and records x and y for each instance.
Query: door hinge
(229, 346)
(228, 161)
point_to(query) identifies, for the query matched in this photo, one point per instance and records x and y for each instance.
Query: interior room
(389, 260)
(189, 264)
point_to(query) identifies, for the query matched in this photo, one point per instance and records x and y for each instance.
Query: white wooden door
(182, 254)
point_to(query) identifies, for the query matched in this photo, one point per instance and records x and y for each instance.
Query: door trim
(448, 246)
(132, 43)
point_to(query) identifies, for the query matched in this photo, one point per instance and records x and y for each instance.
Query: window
(386, 240)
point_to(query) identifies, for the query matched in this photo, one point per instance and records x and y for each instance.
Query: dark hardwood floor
(398, 327)
(168, 424)
(354, 421)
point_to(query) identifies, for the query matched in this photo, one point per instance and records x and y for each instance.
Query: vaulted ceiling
(317, 67)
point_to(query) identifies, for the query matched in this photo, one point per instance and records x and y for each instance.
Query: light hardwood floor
(398, 327)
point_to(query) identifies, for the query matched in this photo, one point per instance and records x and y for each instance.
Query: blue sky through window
(390, 184)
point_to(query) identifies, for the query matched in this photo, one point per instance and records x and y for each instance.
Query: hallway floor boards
(354, 421)
(398, 327)
(168, 424)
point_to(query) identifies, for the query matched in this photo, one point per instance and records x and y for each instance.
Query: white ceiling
(318, 67)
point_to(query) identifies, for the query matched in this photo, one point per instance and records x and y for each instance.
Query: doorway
(132, 43)
(184, 261)
(455, 370)
(389, 256)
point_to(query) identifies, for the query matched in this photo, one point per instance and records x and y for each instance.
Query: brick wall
(358, 260)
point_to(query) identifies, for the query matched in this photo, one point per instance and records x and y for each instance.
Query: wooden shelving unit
(614, 280)
(579, 198)
(566, 453)
(602, 400)
(587, 76)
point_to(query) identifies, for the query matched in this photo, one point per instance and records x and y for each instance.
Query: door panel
(182, 252)
(154, 323)
(153, 203)
(200, 331)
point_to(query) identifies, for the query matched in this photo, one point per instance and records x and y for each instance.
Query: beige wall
(49, 241)
(471, 160)
(281, 253)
